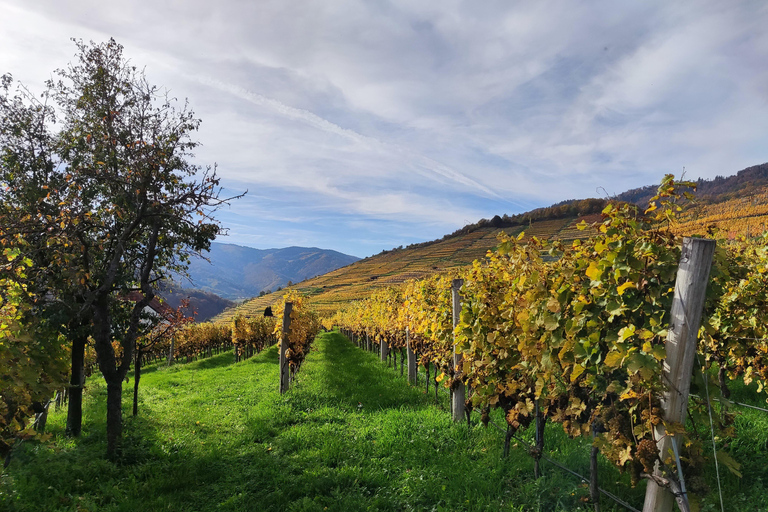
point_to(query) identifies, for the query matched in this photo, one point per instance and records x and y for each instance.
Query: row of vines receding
(578, 331)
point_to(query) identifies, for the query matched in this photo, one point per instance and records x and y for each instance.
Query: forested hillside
(744, 183)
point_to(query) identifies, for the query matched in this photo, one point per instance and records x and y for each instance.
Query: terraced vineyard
(741, 216)
(358, 280)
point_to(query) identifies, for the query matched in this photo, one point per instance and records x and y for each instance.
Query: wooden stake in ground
(384, 350)
(539, 439)
(687, 305)
(457, 397)
(284, 346)
(594, 489)
(411, 358)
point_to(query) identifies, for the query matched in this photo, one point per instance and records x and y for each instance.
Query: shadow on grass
(267, 356)
(215, 361)
(351, 375)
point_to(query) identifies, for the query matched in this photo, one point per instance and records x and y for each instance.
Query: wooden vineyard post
(457, 398)
(284, 347)
(539, 439)
(170, 352)
(594, 489)
(384, 350)
(411, 358)
(685, 317)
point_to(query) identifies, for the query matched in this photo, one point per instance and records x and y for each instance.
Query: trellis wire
(568, 470)
(712, 430)
(737, 403)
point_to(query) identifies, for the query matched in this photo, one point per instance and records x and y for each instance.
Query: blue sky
(363, 125)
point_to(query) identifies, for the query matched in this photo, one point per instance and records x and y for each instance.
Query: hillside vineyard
(580, 339)
(567, 331)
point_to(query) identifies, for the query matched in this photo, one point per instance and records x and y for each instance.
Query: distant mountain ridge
(202, 305)
(237, 272)
(717, 190)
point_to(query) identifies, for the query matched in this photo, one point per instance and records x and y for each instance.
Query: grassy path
(215, 435)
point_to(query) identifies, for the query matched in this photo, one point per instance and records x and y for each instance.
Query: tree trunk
(76, 382)
(114, 417)
(136, 378)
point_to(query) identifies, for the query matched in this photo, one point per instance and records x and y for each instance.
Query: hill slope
(202, 305)
(237, 272)
(744, 183)
(356, 281)
(736, 206)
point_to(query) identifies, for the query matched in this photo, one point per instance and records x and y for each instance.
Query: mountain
(356, 281)
(236, 272)
(202, 305)
(720, 189)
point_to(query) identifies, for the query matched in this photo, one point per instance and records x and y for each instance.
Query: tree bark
(114, 417)
(76, 382)
(136, 378)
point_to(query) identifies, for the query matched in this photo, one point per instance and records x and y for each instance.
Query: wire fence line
(608, 494)
(735, 403)
(421, 372)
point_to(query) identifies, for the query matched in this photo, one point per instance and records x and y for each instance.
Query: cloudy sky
(363, 125)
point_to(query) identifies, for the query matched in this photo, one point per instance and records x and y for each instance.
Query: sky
(363, 125)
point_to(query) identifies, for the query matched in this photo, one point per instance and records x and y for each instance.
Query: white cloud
(427, 115)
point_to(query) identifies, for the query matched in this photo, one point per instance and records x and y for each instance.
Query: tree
(33, 361)
(128, 205)
(33, 221)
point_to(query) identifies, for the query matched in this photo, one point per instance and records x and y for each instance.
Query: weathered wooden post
(457, 404)
(411, 358)
(539, 439)
(384, 350)
(170, 352)
(685, 317)
(284, 373)
(594, 489)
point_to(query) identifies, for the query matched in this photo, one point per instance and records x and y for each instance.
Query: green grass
(215, 435)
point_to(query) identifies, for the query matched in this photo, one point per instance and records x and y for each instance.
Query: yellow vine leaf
(593, 272)
(624, 287)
